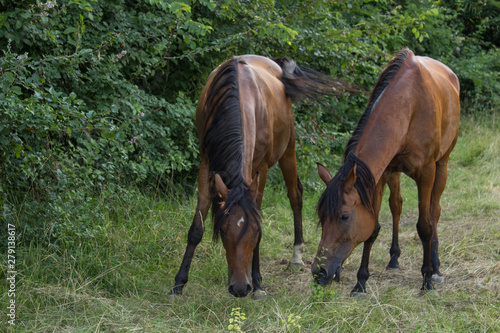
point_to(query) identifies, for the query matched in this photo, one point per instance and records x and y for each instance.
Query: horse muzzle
(240, 290)
(239, 284)
(324, 276)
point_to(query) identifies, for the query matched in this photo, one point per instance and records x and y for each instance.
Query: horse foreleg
(196, 230)
(288, 166)
(363, 273)
(256, 276)
(395, 204)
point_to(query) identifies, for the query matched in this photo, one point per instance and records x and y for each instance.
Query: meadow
(118, 279)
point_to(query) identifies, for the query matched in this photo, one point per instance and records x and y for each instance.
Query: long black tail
(302, 82)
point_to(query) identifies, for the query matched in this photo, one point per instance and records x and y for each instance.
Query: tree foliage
(96, 95)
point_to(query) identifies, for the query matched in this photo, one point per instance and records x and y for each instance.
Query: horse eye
(345, 217)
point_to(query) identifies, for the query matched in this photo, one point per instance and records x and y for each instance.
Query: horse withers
(410, 125)
(245, 124)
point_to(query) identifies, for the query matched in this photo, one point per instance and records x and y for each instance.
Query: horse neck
(383, 137)
(383, 134)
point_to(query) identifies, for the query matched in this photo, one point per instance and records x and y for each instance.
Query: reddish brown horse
(411, 126)
(245, 125)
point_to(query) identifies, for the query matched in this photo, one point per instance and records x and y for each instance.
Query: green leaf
(7, 80)
(16, 90)
(70, 30)
(17, 150)
(85, 51)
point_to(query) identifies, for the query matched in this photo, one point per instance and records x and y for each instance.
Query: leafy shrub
(72, 125)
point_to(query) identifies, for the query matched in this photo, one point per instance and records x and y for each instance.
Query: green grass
(117, 278)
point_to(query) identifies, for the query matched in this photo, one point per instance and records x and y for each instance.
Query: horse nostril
(231, 290)
(249, 288)
(237, 292)
(321, 276)
(322, 272)
(315, 269)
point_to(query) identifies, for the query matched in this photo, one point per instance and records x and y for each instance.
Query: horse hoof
(295, 266)
(428, 292)
(389, 268)
(358, 294)
(259, 294)
(439, 279)
(174, 294)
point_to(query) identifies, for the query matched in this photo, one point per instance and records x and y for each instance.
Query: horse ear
(324, 174)
(350, 180)
(221, 187)
(254, 186)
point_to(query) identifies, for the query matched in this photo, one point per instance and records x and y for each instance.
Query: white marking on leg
(240, 221)
(201, 219)
(297, 254)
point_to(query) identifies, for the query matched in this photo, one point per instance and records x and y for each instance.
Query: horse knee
(374, 235)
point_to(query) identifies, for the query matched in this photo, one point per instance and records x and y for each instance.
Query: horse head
(239, 229)
(346, 221)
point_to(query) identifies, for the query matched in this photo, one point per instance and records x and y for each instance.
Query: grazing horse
(245, 124)
(410, 125)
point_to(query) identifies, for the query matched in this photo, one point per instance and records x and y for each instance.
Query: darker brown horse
(411, 126)
(245, 125)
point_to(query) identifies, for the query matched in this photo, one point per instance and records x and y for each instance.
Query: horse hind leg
(298, 245)
(395, 204)
(425, 183)
(437, 191)
(288, 166)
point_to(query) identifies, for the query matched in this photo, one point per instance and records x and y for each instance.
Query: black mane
(330, 201)
(223, 144)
